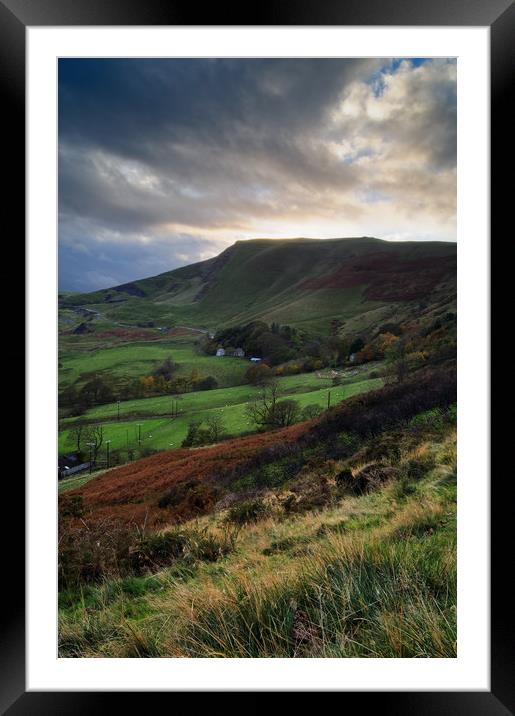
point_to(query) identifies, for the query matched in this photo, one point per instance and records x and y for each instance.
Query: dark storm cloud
(170, 160)
(134, 107)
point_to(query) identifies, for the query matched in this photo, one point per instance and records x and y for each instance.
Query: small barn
(69, 465)
(239, 353)
(220, 352)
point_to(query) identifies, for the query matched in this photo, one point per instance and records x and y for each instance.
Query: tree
(93, 438)
(166, 369)
(259, 374)
(95, 391)
(193, 432)
(216, 427)
(209, 383)
(396, 362)
(261, 410)
(357, 345)
(340, 348)
(268, 412)
(197, 435)
(285, 412)
(77, 433)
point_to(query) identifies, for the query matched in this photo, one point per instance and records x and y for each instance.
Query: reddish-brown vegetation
(132, 492)
(130, 334)
(180, 484)
(388, 277)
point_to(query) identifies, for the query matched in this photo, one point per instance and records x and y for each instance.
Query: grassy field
(70, 483)
(368, 576)
(163, 432)
(138, 359)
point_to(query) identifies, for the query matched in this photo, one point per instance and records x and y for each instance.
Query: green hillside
(301, 282)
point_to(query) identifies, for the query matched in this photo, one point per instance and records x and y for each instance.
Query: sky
(165, 162)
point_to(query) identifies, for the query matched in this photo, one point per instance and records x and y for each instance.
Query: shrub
(259, 374)
(189, 498)
(197, 435)
(156, 550)
(71, 506)
(381, 409)
(284, 413)
(277, 473)
(248, 511)
(148, 451)
(189, 545)
(93, 552)
(418, 467)
(367, 479)
(209, 383)
(111, 550)
(209, 547)
(311, 411)
(433, 419)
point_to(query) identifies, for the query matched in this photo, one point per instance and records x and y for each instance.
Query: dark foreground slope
(301, 282)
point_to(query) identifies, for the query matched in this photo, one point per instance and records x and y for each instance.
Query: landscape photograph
(257, 335)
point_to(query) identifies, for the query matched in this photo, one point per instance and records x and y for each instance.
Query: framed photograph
(258, 335)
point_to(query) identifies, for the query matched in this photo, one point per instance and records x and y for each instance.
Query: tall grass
(371, 575)
(354, 596)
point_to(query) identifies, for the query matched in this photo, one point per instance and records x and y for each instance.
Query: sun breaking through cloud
(166, 162)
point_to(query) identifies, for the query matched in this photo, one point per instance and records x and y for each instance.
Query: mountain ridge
(304, 282)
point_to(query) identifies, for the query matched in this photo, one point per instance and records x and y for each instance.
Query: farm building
(234, 352)
(69, 465)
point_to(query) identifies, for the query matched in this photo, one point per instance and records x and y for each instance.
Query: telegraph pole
(139, 434)
(328, 400)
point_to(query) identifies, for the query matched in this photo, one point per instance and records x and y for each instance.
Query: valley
(248, 426)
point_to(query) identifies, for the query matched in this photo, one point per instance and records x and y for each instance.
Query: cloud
(172, 160)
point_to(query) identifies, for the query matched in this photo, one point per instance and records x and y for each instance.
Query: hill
(305, 283)
(331, 538)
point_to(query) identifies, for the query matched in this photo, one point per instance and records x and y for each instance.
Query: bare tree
(94, 437)
(216, 426)
(77, 433)
(263, 410)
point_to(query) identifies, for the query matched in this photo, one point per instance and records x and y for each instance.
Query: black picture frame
(499, 15)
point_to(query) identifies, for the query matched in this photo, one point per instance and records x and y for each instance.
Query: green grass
(258, 279)
(161, 432)
(138, 359)
(70, 483)
(369, 577)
